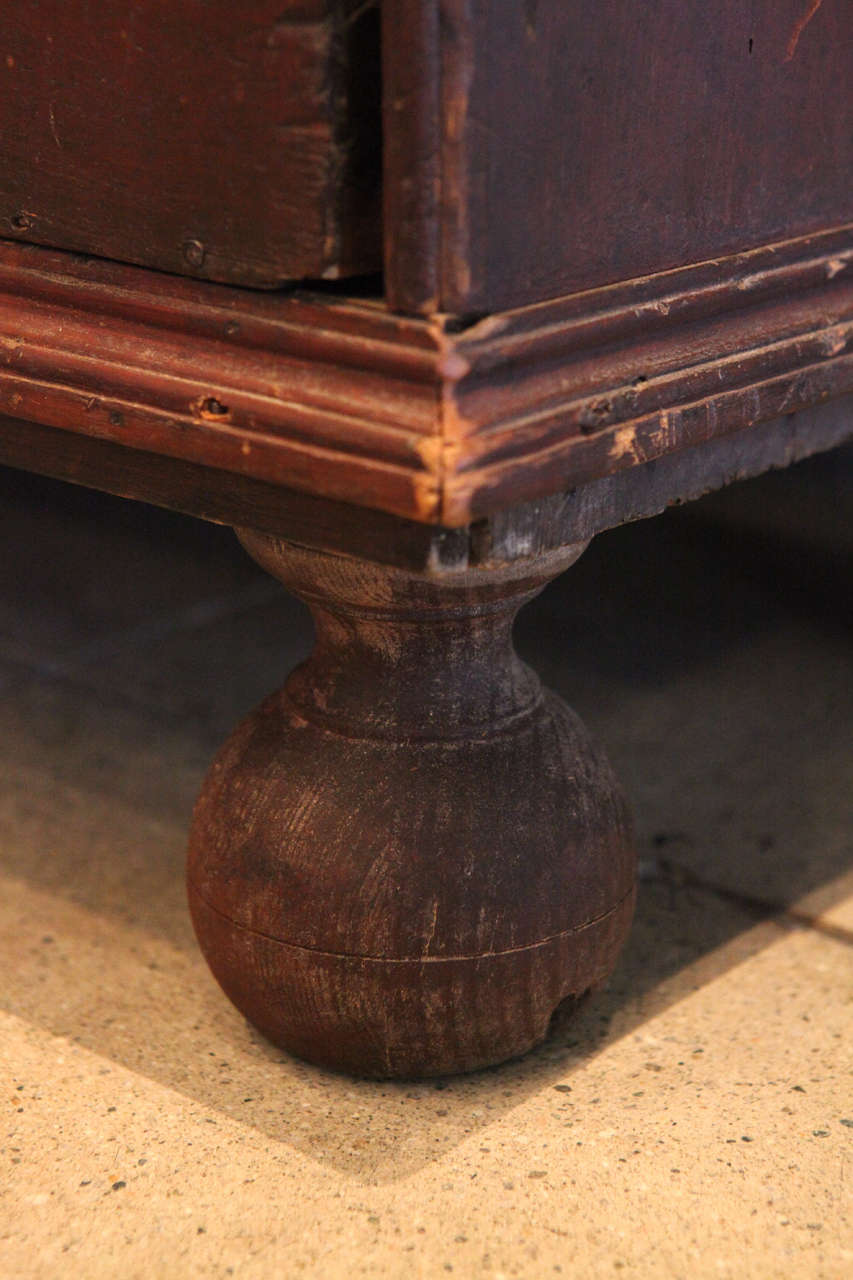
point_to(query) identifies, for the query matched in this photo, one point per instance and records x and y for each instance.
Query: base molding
(430, 419)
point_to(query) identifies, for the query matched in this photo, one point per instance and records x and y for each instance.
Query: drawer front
(236, 142)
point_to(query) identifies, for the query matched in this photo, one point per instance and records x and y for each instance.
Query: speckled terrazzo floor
(695, 1119)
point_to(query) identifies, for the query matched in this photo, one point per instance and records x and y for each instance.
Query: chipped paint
(836, 265)
(753, 281)
(624, 444)
(835, 342)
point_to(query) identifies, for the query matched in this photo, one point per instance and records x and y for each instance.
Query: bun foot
(403, 862)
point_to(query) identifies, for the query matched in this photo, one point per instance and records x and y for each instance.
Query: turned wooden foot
(406, 859)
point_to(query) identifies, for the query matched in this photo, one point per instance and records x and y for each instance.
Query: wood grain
(583, 145)
(402, 863)
(330, 396)
(411, 118)
(560, 394)
(422, 417)
(232, 142)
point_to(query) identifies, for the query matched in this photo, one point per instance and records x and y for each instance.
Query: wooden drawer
(237, 142)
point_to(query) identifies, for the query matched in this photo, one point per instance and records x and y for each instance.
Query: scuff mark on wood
(800, 27)
(52, 118)
(432, 925)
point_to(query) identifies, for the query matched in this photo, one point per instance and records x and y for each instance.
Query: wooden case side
(578, 148)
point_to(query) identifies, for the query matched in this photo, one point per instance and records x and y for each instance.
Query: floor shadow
(158, 1014)
(704, 578)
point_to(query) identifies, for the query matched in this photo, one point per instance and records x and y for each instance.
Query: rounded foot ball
(405, 860)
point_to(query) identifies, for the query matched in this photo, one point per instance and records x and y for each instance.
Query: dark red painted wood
(405, 861)
(542, 524)
(585, 144)
(237, 142)
(420, 417)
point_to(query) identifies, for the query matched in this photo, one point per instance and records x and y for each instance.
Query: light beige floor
(695, 1119)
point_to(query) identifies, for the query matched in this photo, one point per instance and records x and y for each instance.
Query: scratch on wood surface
(52, 118)
(800, 27)
(432, 924)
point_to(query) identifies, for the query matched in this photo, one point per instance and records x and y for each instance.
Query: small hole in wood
(194, 252)
(210, 407)
(21, 221)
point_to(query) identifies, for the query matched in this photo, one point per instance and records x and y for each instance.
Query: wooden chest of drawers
(420, 296)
